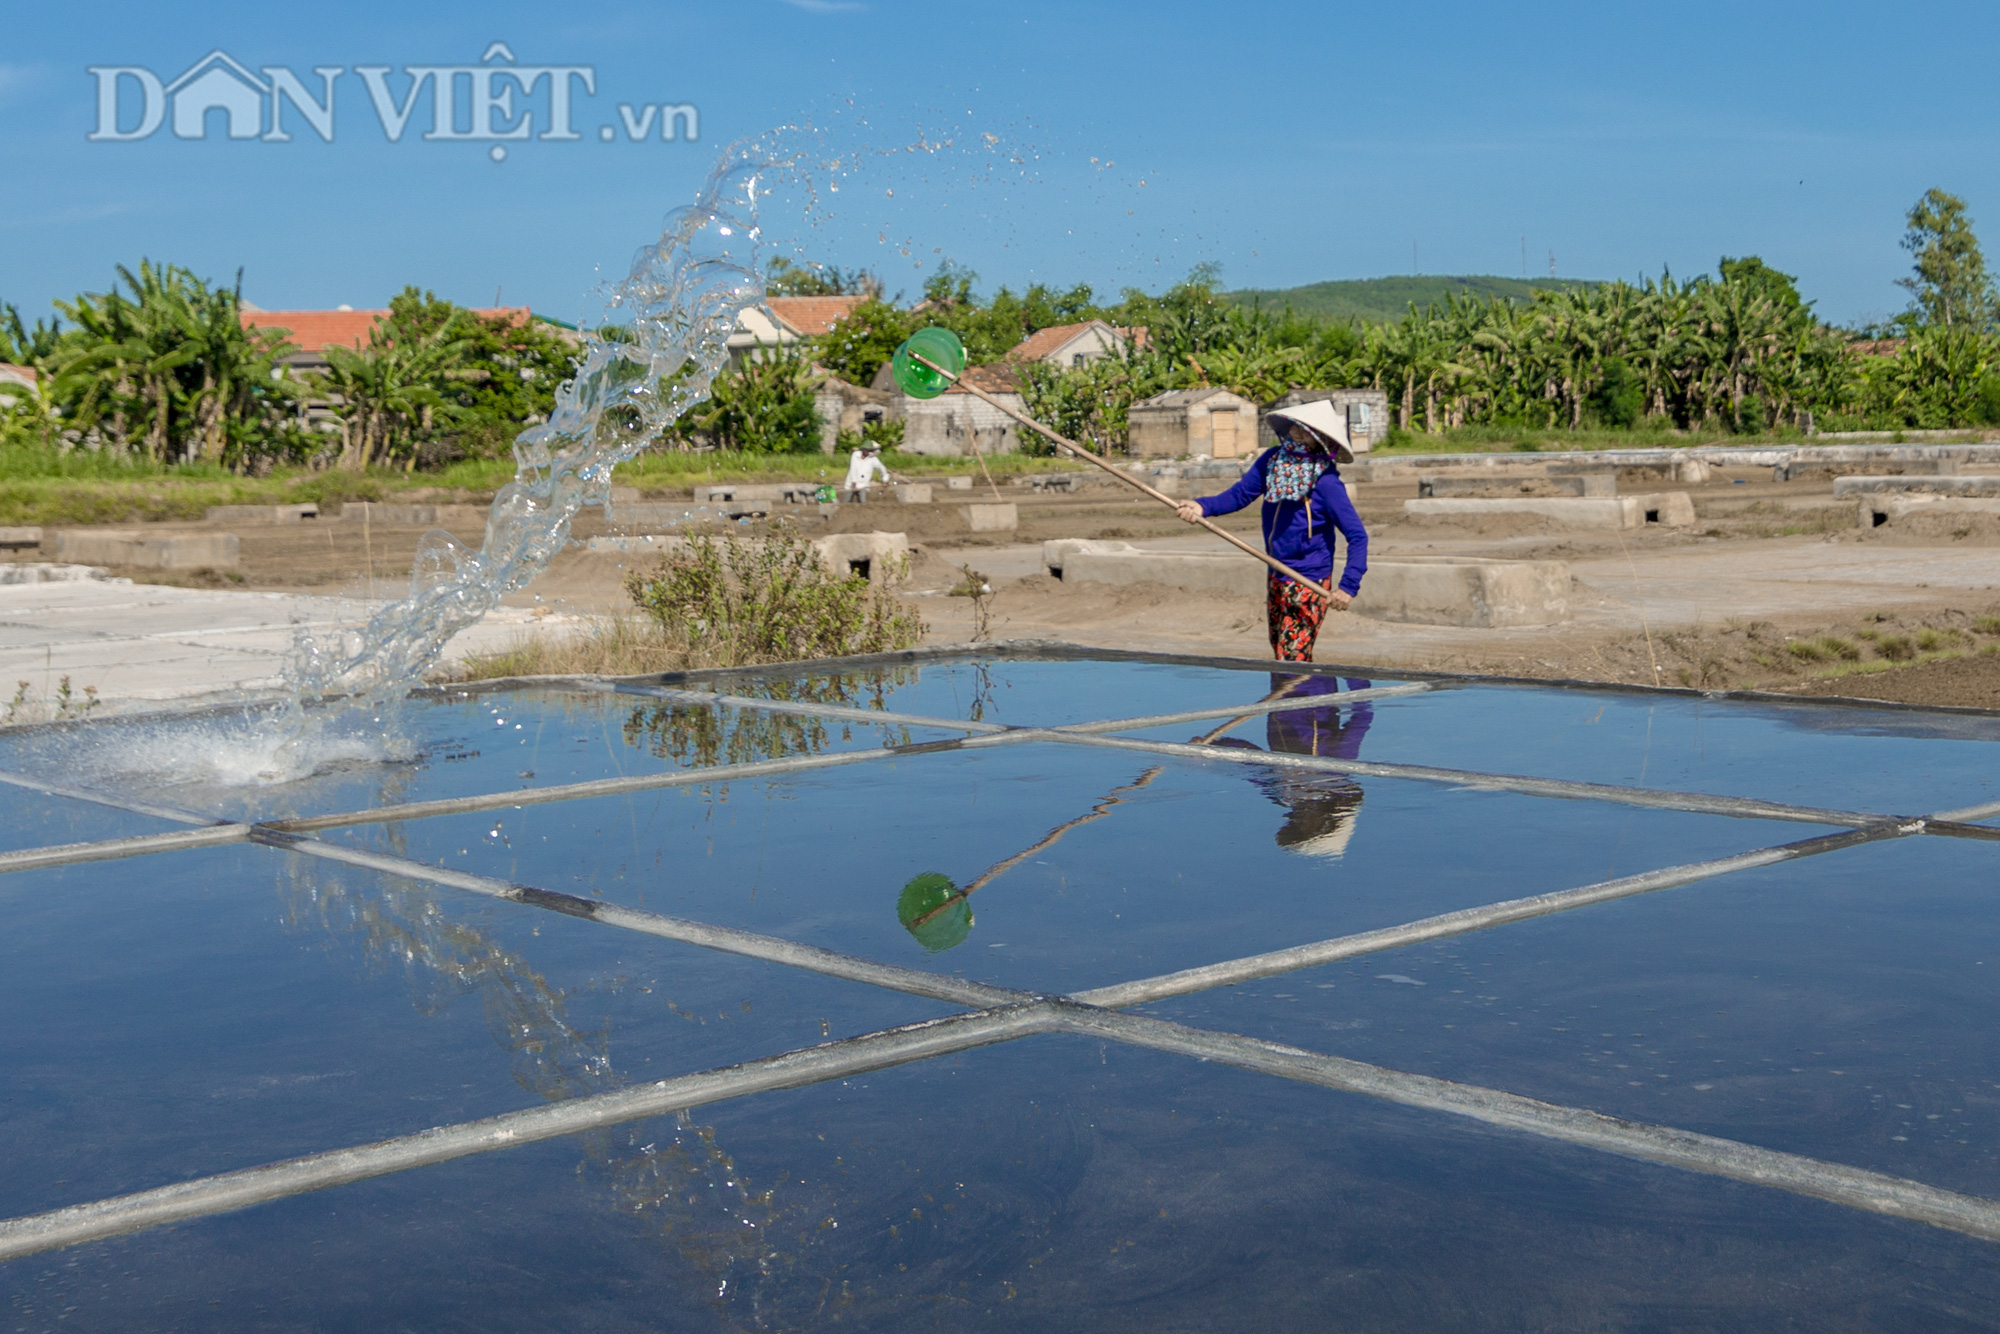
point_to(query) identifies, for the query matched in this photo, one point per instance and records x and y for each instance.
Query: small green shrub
(1844, 649)
(1896, 648)
(1806, 649)
(1930, 641)
(1987, 625)
(769, 601)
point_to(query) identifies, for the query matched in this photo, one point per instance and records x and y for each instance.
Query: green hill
(1383, 299)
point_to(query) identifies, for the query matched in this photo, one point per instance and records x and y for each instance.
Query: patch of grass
(1895, 648)
(1826, 646)
(83, 487)
(1878, 665)
(614, 646)
(1529, 439)
(1826, 521)
(1930, 641)
(1987, 625)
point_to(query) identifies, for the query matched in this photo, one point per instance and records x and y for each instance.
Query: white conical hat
(1326, 420)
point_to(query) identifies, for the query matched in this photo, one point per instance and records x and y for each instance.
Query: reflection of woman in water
(1323, 805)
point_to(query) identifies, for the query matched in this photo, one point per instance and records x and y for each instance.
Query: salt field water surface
(1727, 1088)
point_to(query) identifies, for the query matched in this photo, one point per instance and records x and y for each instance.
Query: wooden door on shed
(1224, 440)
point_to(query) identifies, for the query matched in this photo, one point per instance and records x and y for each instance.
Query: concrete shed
(1182, 423)
(849, 407)
(1368, 417)
(957, 422)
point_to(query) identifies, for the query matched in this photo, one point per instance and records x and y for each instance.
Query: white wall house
(958, 422)
(1074, 344)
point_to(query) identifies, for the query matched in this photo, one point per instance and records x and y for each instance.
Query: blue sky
(1286, 142)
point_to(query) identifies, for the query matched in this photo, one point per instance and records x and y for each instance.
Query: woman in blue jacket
(1305, 504)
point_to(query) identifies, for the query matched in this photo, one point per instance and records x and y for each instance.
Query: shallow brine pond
(1029, 1097)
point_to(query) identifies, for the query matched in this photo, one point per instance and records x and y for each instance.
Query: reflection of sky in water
(209, 1010)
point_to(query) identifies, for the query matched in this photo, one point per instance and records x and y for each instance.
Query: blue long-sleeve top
(1300, 532)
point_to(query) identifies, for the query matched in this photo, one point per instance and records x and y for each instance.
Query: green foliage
(883, 434)
(1949, 283)
(499, 374)
(784, 277)
(857, 347)
(769, 601)
(1987, 410)
(1089, 403)
(762, 406)
(992, 330)
(391, 392)
(1939, 379)
(22, 346)
(1753, 274)
(695, 736)
(162, 364)
(1620, 396)
(1386, 300)
(162, 367)
(1738, 352)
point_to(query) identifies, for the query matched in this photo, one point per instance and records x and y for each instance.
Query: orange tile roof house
(313, 331)
(797, 317)
(25, 376)
(811, 316)
(1074, 344)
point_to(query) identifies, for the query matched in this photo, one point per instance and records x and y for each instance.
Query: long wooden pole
(1127, 478)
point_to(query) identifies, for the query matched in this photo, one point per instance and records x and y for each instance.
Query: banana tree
(389, 392)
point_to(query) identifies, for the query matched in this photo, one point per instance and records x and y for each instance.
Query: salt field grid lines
(1003, 1014)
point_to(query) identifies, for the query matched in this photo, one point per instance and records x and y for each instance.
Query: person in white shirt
(864, 465)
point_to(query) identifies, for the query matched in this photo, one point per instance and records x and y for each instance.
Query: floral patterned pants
(1295, 615)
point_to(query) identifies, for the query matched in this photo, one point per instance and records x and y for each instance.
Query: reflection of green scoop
(939, 346)
(936, 911)
(932, 910)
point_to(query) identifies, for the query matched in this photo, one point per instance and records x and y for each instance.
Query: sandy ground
(1768, 566)
(122, 646)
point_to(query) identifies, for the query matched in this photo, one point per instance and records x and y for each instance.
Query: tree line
(1737, 351)
(162, 366)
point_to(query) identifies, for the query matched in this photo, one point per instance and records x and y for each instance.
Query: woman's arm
(1333, 495)
(1249, 487)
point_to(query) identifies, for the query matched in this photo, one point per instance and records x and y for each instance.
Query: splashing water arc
(673, 315)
